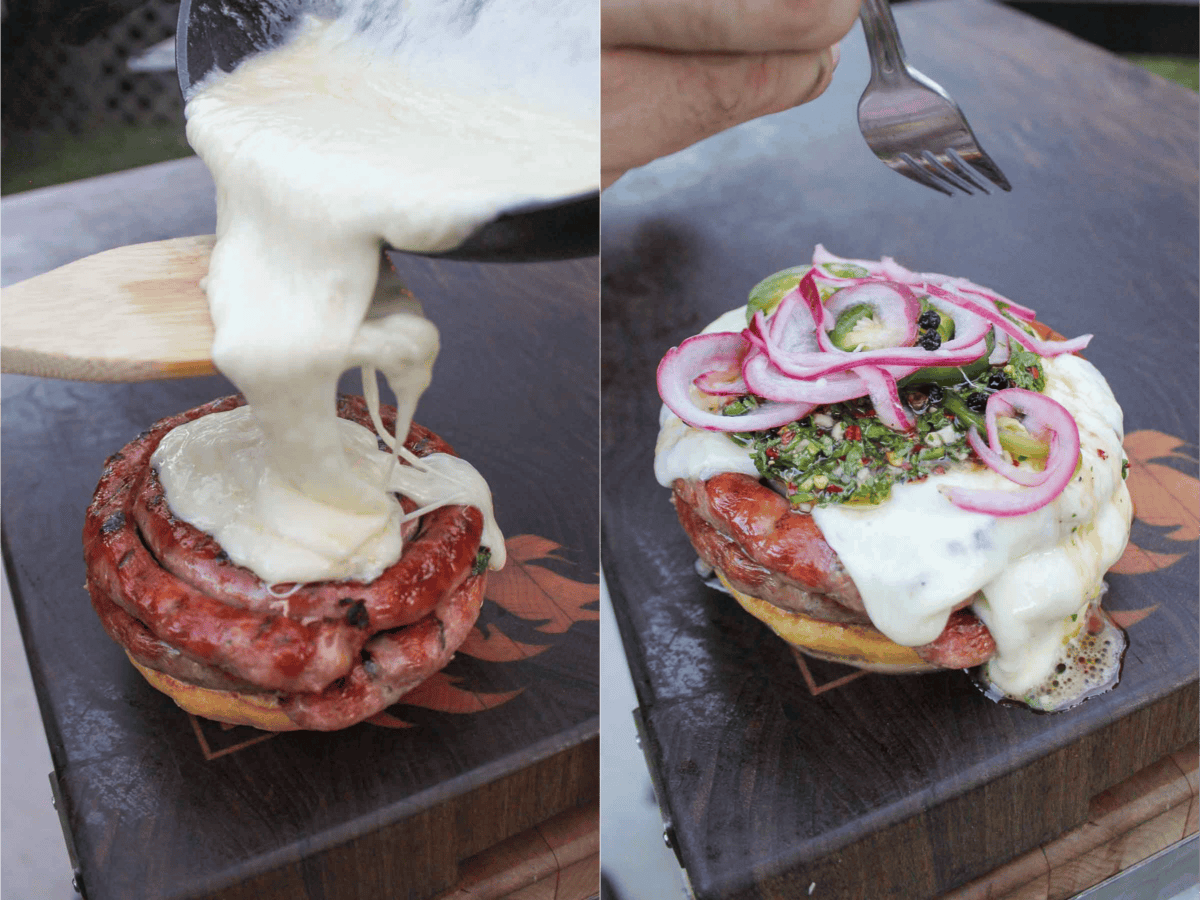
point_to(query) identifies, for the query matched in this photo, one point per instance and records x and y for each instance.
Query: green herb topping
(482, 558)
(842, 453)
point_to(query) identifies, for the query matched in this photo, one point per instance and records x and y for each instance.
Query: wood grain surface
(776, 780)
(127, 314)
(160, 804)
(1148, 812)
(557, 860)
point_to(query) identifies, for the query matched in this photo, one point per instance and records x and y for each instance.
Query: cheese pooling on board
(321, 150)
(916, 556)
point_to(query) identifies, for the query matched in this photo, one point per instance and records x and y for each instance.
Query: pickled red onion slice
(885, 268)
(682, 365)
(969, 328)
(722, 383)
(724, 379)
(792, 328)
(1005, 324)
(799, 347)
(894, 309)
(791, 361)
(891, 270)
(995, 461)
(885, 397)
(1011, 306)
(1002, 351)
(766, 380)
(1045, 419)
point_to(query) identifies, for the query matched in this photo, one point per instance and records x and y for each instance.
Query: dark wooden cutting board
(160, 804)
(778, 780)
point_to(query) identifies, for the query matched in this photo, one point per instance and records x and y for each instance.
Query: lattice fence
(49, 85)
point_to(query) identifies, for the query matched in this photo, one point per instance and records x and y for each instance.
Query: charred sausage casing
(327, 654)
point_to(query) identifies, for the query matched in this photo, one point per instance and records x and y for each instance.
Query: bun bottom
(256, 710)
(861, 646)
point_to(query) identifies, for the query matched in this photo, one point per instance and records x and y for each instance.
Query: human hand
(676, 71)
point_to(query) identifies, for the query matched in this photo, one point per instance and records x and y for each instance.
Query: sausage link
(272, 651)
(198, 558)
(771, 551)
(392, 664)
(261, 646)
(433, 563)
(771, 533)
(720, 552)
(963, 643)
(149, 651)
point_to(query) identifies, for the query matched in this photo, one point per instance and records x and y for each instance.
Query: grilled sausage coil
(334, 652)
(767, 549)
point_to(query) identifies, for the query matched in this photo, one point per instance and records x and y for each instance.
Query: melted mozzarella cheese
(917, 556)
(321, 150)
(260, 518)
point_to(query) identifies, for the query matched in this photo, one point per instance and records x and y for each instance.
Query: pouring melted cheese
(321, 150)
(916, 556)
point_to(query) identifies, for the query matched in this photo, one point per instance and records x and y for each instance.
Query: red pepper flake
(853, 433)
(1102, 454)
(833, 489)
(1033, 370)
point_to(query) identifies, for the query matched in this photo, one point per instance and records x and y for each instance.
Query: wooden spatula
(130, 314)
(135, 313)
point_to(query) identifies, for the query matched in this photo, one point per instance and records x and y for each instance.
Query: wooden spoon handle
(134, 313)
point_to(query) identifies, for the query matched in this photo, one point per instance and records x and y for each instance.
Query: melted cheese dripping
(321, 150)
(915, 557)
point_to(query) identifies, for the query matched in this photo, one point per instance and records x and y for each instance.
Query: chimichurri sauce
(842, 452)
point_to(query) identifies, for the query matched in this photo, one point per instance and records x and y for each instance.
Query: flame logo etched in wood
(1164, 498)
(527, 590)
(530, 596)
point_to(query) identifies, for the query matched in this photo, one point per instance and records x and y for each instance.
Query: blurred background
(89, 87)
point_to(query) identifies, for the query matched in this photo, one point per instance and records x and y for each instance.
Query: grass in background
(1180, 69)
(33, 160)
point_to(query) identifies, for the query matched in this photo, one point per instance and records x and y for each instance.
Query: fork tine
(907, 118)
(983, 163)
(913, 170)
(933, 176)
(960, 175)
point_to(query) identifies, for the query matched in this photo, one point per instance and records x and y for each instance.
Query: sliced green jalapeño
(948, 376)
(846, 323)
(765, 295)
(955, 404)
(1020, 444)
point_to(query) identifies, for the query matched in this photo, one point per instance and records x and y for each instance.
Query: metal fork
(911, 123)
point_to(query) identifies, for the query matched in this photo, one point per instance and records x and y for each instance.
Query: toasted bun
(257, 710)
(861, 646)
